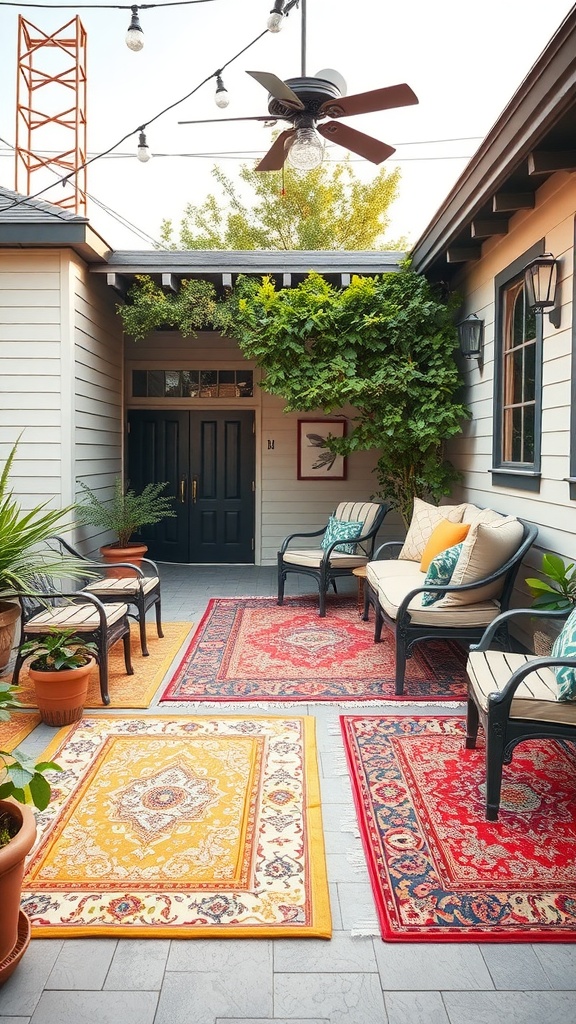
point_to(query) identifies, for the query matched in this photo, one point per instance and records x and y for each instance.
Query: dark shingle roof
(18, 209)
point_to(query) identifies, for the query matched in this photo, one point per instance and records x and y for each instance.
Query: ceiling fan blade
(277, 88)
(368, 102)
(276, 155)
(363, 145)
(216, 120)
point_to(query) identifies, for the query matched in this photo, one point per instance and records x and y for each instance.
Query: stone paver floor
(353, 979)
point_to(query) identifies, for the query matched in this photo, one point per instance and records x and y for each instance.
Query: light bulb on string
(276, 17)
(144, 154)
(221, 97)
(306, 151)
(135, 34)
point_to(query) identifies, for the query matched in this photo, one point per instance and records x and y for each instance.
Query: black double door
(208, 460)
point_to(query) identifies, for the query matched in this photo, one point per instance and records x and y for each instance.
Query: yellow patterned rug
(135, 691)
(17, 728)
(181, 827)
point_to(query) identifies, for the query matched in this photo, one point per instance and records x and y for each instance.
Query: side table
(360, 573)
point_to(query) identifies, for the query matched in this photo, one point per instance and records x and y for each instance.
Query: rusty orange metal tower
(51, 112)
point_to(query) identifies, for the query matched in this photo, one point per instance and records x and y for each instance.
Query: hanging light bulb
(276, 17)
(306, 151)
(144, 154)
(135, 35)
(221, 96)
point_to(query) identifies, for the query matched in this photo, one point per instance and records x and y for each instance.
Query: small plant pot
(61, 696)
(14, 925)
(133, 553)
(9, 615)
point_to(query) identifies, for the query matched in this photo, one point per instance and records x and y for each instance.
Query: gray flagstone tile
(197, 998)
(415, 1008)
(91, 1007)
(82, 964)
(516, 966)
(20, 994)
(413, 966)
(511, 1007)
(343, 998)
(138, 965)
(342, 954)
(253, 956)
(559, 963)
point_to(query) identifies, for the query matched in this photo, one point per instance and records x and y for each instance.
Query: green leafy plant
(560, 593)
(58, 650)
(126, 511)
(20, 777)
(149, 308)
(22, 533)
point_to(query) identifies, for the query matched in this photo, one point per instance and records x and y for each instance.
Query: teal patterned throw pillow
(342, 529)
(565, 647)
(440, 572)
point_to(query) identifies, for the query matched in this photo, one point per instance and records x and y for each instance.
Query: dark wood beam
(170, 283)
(463, 254)
(118, 283)
(544, 162)
(509, 202)
(485, 227)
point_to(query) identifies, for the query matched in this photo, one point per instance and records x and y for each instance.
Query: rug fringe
(357, 860)
(350, 824)
(268, 705)
(367, 929)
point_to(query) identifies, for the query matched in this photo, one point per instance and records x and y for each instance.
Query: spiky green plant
(126, 511)
(23, 535)
(20, 777)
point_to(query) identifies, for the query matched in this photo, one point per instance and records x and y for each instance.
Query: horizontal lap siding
(551, 508)
(30, 363)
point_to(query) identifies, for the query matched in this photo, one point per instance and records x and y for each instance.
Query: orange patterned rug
(17, 728)
(135, 691)
(181, 827)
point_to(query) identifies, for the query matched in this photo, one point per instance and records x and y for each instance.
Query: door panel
(208, 460)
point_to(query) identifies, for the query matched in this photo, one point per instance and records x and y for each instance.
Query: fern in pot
(123, 515)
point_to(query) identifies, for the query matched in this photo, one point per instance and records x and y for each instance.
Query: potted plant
(123, 515)
(22, 557)
(557, 592)
(60, 667)
(21, 782)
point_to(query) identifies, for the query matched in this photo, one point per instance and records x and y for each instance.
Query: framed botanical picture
(315, 460)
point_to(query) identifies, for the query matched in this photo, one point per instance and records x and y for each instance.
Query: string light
(144, 154)
(221, 97)
(276, 17)
(135, 35)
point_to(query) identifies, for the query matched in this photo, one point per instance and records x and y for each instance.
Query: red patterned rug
(439, 870)
(253, 650)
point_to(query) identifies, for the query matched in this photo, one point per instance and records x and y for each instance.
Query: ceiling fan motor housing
(312, 92)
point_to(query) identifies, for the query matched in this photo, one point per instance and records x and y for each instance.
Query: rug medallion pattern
(439, 870)
(181, 827)
(251, 649)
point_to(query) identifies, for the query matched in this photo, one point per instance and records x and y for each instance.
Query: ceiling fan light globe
(306, 150)
(330, 75)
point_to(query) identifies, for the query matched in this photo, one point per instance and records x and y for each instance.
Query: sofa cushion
(392, 591)
(440, 572)
(344, 530)
(536, 696)
(564, 646)
(312, 557)
(443, 537)
(486, 548)
(424, 518)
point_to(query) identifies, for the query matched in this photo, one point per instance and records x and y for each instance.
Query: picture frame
(315, 460)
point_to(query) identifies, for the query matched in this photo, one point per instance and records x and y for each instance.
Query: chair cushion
(392, 590)
(344, 530)
(109, 586)
(312, 558)
(443, 536)
(424, 518)
(486, 548)
(440, 572)
(82, 618)
(535, 698)
(564, 646)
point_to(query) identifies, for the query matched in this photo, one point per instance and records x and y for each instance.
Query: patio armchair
(348, 541)
(516, 697)
(138, 587)
(47, 609)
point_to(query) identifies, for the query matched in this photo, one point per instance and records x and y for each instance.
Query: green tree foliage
(193, 308)
(384, 345)
(327, 208)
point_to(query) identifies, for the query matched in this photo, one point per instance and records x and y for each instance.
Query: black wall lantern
(471, 337)
(541, 286)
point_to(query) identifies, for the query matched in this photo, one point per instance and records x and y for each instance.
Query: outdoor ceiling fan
(305, 101)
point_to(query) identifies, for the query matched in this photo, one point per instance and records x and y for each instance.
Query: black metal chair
(514, 697)
(326, 566)
(47, 609)
(139, 588)
(428, 624)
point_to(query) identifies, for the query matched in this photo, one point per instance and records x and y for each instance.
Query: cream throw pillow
(425, 519)
(487, 547)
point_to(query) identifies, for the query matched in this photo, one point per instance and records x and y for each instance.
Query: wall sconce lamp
(541, 287)
(471, 337)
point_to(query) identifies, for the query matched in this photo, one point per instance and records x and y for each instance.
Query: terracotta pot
(133, 553)
(61, 695)
(9, 615)
(14, 925)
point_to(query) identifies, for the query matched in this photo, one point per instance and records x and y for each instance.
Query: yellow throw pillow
(444, 536)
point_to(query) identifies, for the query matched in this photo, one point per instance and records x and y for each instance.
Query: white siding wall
(551, 509)
(283, 503)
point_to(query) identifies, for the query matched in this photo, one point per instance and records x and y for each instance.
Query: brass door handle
(183, 490)
(194, 490)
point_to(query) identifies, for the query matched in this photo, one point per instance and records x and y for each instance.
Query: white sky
(464, 61)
